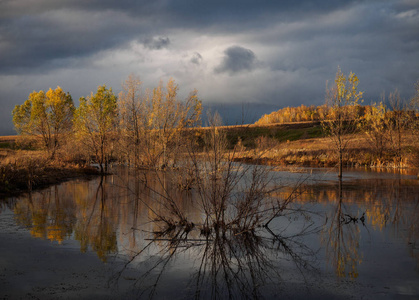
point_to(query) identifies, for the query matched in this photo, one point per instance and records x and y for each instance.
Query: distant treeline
(154, 128)
(305, 113)
(295, 114)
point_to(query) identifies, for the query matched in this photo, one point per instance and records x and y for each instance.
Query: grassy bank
(23, 170)
(319, 152)
(304, 144)
(291, 144)
(253, 136)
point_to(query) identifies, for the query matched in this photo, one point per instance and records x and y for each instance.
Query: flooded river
(109, 238)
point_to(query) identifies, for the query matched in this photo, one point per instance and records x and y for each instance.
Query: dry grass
(285, 125)
(8, 138)
(319, 152)
(23, 171)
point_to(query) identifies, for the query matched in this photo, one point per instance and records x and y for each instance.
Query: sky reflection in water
(333, 241)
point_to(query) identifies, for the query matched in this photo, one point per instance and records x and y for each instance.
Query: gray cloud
(157, 43)
(196, 58)
(80, 44)
(48, 40)
(47, 33)
(237, 59)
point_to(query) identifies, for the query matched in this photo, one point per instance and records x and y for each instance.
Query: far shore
(299, 144)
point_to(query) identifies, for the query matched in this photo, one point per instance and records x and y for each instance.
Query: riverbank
(89, 240)
(24, 171)
(320, 152)
(294, 144)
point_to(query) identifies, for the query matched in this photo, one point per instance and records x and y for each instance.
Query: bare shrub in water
(233, 196)
(235, 248)
(153, 123)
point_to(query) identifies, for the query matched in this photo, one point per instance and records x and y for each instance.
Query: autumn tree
(96, 121)
(47, 116)
(155, 123)
(343, 100)
(167, 121)
(398, 120)
(132, 119)
(374, 124)
(414, 119)
(301, 113)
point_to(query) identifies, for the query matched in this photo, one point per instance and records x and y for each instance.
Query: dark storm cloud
(49, 33)
(301, 43)
(30, 42)
(157, 43)
(247, 12)
(196, 58)
(52, 34)
(237, 59)
(13, 8)
(190, 10)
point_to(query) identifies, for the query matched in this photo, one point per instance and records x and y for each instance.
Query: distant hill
(311, 113)
(294, 114)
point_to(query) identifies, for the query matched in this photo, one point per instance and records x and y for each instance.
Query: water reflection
(49, 214)
(372, 205)
(225, 264)
(340, 238)
(95, 226)
(117, 215)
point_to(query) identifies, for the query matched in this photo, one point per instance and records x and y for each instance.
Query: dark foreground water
(100, 239)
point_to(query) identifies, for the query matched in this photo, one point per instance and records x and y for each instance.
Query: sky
(241, 55)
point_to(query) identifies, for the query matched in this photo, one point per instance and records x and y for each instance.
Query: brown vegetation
(156, 130)
(319, 152)
(251, 144)
(372, 136)
(23, 171)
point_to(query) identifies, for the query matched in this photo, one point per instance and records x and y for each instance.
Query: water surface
(100, 238)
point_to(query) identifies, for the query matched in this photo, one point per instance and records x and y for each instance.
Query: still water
(105, 239)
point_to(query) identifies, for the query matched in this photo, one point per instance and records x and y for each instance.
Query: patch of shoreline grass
(22, 173)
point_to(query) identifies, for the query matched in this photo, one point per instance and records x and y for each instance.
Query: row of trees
(386, 129)
(142, 128)
(300, 113)
(385, 125)
(305, 113)
(149, 128)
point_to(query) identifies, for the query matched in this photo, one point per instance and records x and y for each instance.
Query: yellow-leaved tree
(46, 116)
(374, 124)
(156, 122)
(132, 121)
(96, 122)
(343, 101)
(168, 118)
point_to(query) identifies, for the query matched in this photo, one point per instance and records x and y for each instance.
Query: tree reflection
(226, 263)
(341, 237)
(234, 256)
(97, 228)
(47, 215)
(58, 212)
